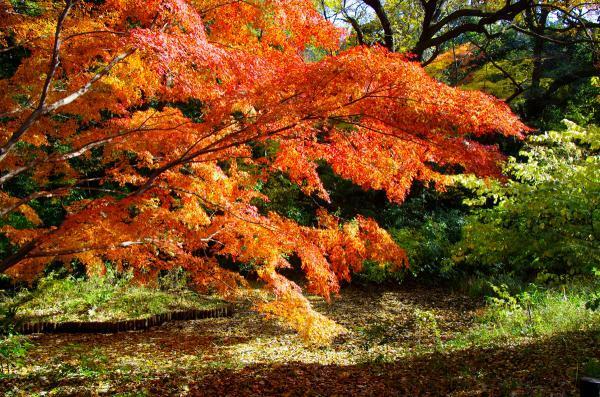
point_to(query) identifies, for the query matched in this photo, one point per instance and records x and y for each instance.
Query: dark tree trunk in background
(438, 30)
(536, 21)
(357, 28)
(388, 33)
(430, 9)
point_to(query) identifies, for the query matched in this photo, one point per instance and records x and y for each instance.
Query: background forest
(332, 168)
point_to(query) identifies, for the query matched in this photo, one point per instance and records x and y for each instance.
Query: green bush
(592, 368)
(546, 220)
(378, 273)
(536, 311)
(482, 285)
(429, 245)
(8, 319)
(594, 300)
(27, 7)
(428, 241)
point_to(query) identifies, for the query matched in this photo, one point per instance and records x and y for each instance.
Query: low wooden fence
(120, 326)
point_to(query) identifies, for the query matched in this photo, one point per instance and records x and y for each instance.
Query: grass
(113, 297)
(13, 352)
(535, 312)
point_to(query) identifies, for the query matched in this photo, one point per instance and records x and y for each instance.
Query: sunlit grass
(101, 299)
(535, 312)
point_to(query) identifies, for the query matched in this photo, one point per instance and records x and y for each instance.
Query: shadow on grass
(547, 367)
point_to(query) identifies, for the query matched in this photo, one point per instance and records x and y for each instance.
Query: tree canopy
(136, 132)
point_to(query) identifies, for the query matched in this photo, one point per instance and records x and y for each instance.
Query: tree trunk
(537, 24)
(388, 33)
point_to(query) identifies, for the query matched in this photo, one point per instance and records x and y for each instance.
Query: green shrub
(537, 311)
(545, 220)
(176, 279)
(594, 300)
(592, 368)
(429, 245)
(378, 273)
(8, 319)
(27, 7)
(426, 226)
(482, 285)
(427, 323)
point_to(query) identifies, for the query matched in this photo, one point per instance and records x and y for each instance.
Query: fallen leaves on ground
(397, 344)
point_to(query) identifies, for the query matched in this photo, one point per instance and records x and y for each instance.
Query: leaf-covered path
(399, 342)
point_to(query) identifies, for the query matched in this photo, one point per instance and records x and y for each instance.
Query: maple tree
(154, 121)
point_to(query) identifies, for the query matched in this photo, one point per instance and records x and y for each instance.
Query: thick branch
(508, 12)
(431, 37)
(83, 90)
(569, 78)
(75, 152)
(18, 256)
(356, 27)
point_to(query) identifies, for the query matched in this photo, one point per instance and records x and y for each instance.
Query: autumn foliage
(173, 99)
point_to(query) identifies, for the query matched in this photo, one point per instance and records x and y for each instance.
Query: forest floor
(401, 341)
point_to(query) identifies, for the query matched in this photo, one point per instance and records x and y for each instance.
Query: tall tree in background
(559, 37)
(137, 132)
(559, 32)
(426, 28)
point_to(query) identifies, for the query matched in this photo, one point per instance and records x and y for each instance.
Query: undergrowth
(536, 311)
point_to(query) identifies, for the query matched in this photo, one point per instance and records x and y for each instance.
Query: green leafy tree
(547, 218)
